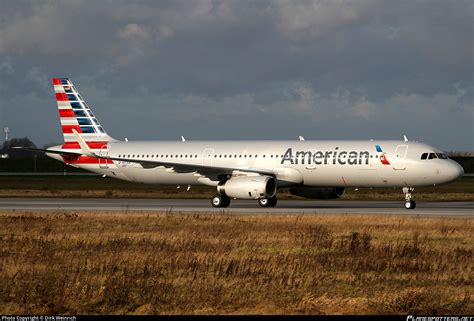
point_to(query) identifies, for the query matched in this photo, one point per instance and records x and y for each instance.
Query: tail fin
(74, 113)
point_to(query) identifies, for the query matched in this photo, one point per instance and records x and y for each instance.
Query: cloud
(317, 18)
(329, 68)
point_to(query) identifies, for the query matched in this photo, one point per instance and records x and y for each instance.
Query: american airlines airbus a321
(247, 169)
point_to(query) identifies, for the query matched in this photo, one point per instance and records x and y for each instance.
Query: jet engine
(321, 193)
(248, 187)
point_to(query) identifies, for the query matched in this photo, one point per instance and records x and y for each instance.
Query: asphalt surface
(239, 206)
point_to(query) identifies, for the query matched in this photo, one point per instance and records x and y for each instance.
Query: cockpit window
(434, 156)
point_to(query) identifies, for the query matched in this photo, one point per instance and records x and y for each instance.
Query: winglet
(405, 138)
(301, 138)
(85, 149)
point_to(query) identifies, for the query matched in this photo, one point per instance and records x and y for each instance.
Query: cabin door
(399, 157)
(103, 153)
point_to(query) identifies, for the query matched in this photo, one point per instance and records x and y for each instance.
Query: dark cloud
(244, 69)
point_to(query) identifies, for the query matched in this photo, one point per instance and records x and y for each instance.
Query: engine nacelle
(321, 193)
(249, 187)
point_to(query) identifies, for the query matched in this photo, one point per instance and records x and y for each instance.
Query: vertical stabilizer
(75, 114)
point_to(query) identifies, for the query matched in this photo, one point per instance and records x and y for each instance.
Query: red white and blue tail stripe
(75, 114)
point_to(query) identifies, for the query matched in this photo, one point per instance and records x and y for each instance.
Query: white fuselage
(295, 163)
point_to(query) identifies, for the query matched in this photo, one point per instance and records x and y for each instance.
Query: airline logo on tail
(74, 112)
(383, 158)
(76, 117)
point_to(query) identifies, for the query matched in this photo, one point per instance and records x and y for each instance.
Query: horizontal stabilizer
(48, 151)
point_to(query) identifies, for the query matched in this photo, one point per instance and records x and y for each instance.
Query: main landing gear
(219, 200)
(268, 202)
(409, 203)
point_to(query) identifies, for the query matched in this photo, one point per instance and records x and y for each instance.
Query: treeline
(19, 160)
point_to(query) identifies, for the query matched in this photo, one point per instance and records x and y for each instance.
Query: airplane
(247, 169)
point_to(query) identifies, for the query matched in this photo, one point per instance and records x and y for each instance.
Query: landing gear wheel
(268, 202)
(409, 203)
(220, 201)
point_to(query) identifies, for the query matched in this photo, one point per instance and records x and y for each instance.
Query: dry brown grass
(152, 263)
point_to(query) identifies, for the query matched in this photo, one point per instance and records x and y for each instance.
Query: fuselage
(295, 163)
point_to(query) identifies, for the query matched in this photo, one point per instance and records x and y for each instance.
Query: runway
(239, 206)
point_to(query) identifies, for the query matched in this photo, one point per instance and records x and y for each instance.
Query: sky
(215, 69)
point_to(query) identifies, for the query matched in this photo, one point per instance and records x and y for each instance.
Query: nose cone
(454, 171)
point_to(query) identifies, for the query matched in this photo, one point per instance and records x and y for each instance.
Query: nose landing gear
(409, 203)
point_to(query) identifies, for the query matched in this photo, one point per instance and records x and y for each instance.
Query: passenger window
(432, 156)
(71, 97)
(424, 156)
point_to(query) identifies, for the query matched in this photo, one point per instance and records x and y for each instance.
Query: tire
(268, 202)
(220, 201)
(264, 202)
(225, 201)
(273, 201)
(410, 205)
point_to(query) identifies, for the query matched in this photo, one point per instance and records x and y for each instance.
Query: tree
(18, 142)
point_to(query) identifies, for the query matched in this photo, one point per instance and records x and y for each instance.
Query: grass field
(171, 263)
(96, 186)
